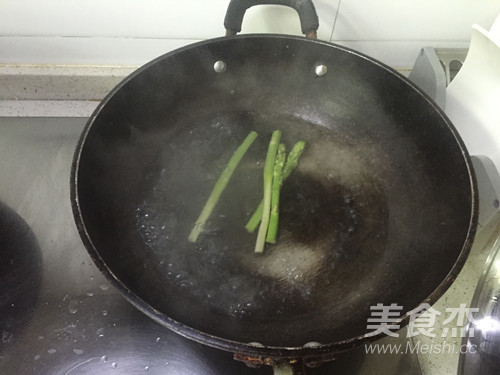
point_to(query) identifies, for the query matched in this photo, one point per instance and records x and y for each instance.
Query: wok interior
(378, 210)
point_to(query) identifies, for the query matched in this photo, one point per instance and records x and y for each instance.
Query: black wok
(382, 208)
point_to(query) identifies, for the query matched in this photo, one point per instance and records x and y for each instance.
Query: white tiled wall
(131, 32)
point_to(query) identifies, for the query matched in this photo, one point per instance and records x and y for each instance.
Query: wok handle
(289, 366)
(305, 8)
(289, 369)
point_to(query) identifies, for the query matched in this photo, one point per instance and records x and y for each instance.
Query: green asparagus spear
(254, 221)
(220, 185)
(293, 158)
(268, 182)
(291, 163)
(272, 229)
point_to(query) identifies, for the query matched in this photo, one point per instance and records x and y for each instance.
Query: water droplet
(78, 351)
(51, 351)
(157, 339)
(104, 286)
(146, 368)
(90, 294)
(114, 365)
(100, 332)
(104, 312)
(104, 358)
(37, 357)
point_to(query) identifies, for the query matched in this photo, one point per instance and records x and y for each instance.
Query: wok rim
(325, 350)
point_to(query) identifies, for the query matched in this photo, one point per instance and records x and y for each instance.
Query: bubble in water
(104, 358)
(78, 351)
(90, 294)
(146, 368)
(157, 339)
(240, 309)
(298, 277)
(100, 332)
(295, 266)
(104, 312)
(104, 286)
(51, 351)
(37, 357)
(73, 306)
(114, 365)
(7, 337)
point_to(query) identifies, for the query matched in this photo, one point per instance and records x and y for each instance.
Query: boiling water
(329, 207)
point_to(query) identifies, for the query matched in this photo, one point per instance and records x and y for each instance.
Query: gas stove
(59, 315)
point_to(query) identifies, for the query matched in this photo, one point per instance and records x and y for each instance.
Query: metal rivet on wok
(220, 66)
(320, 70)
